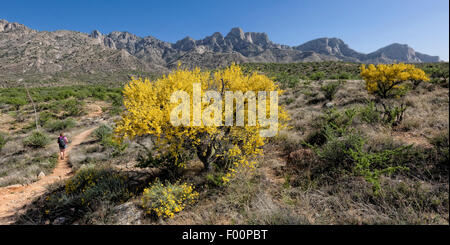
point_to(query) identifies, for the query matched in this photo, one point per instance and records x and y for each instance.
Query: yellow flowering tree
(148, 112)
(387, 81)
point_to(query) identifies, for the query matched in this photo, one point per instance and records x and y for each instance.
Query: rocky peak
(331, 46)
(395, 52)
(258, 38)
(6, 26)
(328, 46)
(217, 35)
(215, 42)
(236, 33)
(123, 36)
(95, 34)
(185, 44)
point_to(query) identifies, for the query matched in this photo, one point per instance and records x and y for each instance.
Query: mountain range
(24, 50)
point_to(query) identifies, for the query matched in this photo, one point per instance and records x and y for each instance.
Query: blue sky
(364, 25)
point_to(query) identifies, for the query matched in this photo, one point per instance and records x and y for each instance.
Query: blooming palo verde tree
(388, 82)
(184, 112)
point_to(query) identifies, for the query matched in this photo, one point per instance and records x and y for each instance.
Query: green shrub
(37, 139)
(91, 183)
(344, 75)
(369, 113)
(72, 107)
(44, 117)
(330, 89)
(332, 121)
(59, 125)
(335, 151)
(371, 165)
(17, 102)
(105, 135)
(116, 99)
(340, 121)
(83, 193)
(287, 80)
(393, 115)
(115, 110)
(317, 76)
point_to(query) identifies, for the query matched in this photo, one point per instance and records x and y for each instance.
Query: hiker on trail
(62, 142)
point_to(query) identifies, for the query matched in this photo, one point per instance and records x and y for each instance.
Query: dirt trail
(13, 198)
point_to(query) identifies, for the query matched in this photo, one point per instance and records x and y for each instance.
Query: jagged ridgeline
(74, 57)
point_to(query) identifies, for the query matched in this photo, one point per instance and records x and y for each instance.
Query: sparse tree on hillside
(387, 82)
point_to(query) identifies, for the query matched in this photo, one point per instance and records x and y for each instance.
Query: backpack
(61, 142)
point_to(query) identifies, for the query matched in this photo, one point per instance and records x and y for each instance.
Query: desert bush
(37, 139)
(330, 89)
(334, 153)
(81, 194)
(345, 75)
(393, 115)
(165, 200)
(115, 110)
(331, 121)
(44, 117)
(115, 98)
(317, 76)
(58, 125)
(287, 80)
(104, 134)
(72, 107)
(90, 183)
(346, 152)
(438, 75)
(371, 165)
(369, 113)
(424, 162)
(343, 149)
(17, 102)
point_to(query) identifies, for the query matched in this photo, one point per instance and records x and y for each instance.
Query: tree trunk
(204, 156)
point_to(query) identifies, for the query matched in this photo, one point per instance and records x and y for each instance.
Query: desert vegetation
(349, 153)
